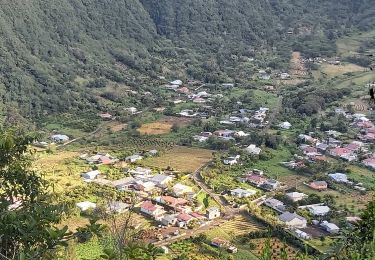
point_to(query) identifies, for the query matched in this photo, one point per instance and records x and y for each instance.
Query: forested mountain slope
(46, 45)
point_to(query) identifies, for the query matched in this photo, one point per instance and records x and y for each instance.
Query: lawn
(180, 158)
(272, 167)
(322, 246)
(362, 174)
(205, 200)
(334, 70)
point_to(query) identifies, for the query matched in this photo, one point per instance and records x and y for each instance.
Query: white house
(330, 227)
(241, 193)
(293, 220)
(296, 196)
(90, 175)
(213, 213)
(253, 149)
(117, 207)
(318, 210)
(140, 171)
(232, 160)
(132, 110)
(285, 125)
(60, 138)
(339, 177)
(134, 158)
(180, 189)
(161, 180)
(302, 234)
(275, 204)
(176, 82)
(153, 210)
(85, 205)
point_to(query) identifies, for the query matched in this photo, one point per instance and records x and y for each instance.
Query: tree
(28, 212)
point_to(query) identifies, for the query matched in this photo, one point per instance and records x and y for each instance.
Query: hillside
(53, 53)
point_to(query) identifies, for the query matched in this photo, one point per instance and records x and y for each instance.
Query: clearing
(63, 169)
(183, 159)
(334, 70)
(163, 126)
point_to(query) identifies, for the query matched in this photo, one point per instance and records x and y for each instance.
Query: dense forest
(53, 53)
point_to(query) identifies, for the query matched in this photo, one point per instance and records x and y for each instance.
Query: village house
(180, 189)
(171, 201)
(270, 184)
(103, 159)
(169, 220)
(253, 149)
(132, 110)
(275, 204)
(308, 150)
(330, 227)
(302, 234)
(307, 139)
(296, 196)
(152, 210)
(293, 220)
(343, 153)
(117, 207)
(105, 116)
(85, 205)
(284, 76)
(354, 146)
(218, 242)
(187, 113)
(184, 219)
(322, 147)
(161, 180)
(264, 75)
(285, 125)
(338, 177)
(232, 160)
(60, 138)
(318, 185)
(241, 193)
(133, 158)
(124, 184)
(369, 162)
(255, 179)
(332, 143)
(224, 133)
(140, 171)
(212, 213)
(146, 186)
(90, 175)
(317, 210)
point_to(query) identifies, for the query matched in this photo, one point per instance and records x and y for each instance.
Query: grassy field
(180, 158)
(353, 201)
(348, 46)
(62, 169)
(272, 167)
(334, 70)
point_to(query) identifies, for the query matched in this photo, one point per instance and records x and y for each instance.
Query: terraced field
(234, 228)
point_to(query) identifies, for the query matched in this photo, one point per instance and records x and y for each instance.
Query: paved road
(225, 206)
